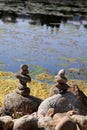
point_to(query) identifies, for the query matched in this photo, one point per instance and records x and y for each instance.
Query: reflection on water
(41, 19)
(48, 41)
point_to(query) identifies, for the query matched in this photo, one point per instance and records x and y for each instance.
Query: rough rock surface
(27, 122)
(78, 93)
(66, 124)
(6, 123)
(81, 121)
(62, 103)
(15, 102)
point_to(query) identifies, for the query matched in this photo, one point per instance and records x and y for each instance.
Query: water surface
(50, 43)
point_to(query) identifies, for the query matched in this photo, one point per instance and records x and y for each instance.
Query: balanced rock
(62, 103)
(14, 102)
(60, 85)
(23, 77)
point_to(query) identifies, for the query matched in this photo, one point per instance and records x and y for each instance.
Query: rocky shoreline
(57, 8)
(63, 110)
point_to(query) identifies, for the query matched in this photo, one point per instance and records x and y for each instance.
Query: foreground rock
(17, 103)
(27, 122)
(62, 103)
(81, 121)
(66, 124)
(6, 123)
(60, 121)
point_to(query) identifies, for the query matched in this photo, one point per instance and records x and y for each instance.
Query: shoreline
(9, 84)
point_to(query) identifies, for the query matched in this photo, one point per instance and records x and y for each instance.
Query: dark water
(46, 42)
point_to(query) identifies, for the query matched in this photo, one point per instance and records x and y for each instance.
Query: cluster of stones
(66, 109)
(24, 78)
(70, 120)
(21, 101)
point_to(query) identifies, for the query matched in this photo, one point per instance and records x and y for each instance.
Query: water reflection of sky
(50, 47)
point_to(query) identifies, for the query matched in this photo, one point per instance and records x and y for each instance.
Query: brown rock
(24, 78)
(81, 121)
(27, 122)
(66, 124)
(14, 102)
(78, 93)
(60, 85)
(7, 123)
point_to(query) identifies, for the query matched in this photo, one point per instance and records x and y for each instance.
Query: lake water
(44, 42)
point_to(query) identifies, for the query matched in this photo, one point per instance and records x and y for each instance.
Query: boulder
(78, 93)
(62, 103)
(14, 102)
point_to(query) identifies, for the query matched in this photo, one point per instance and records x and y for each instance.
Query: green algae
(36, 69)
(63, 65)
(72, 59)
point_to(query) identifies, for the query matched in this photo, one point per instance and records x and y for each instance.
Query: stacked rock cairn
(24, 78)
(60, 85)
(61, 81)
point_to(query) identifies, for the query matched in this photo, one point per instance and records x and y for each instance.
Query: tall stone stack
(21, 100)
(24, 78)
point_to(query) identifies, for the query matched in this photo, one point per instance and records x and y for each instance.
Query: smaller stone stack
(24, 78)
(60, 85)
